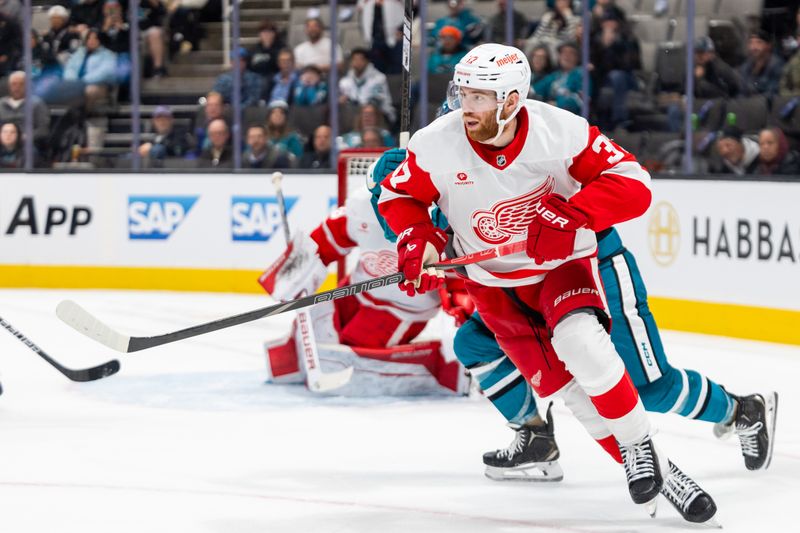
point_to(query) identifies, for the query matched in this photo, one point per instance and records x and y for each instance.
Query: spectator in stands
(541, 65)
(449, 51)
(214, 109)
(775, 156)
(713, 78)
(264, 55)
(218, 152)
(152, 20)
(12, 9)
(278, 132)
(86, 14)
(310, 89)
(169, 141)
(562, 88)
(601, 7)
(252, 84)
(317, 49)
(470, 26)
(388, 58)
(496, 29)
(379, 20)
(318, 154)
(369, 116)
(115, 35)
(88, 74)
(284, 81)
(184, 25)
(10, 44)
(371, 138)
(790, 77)
(11, 149)
(12, 108)
(761, 71)
(738, 154)
(261, 155)
(364, 83)
(557, 26)
(60, 42)
(615, 55)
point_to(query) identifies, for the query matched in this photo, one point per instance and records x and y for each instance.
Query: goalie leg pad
(283, 364)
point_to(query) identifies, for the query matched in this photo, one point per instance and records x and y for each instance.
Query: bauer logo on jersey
(257, 218)
(157, 217)
(511, 217)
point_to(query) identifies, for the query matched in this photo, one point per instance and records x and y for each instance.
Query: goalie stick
(85, 374)
(316, 379)
(84, 322)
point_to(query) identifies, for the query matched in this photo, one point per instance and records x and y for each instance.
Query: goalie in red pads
(372, 332)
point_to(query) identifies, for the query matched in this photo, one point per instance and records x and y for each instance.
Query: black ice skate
(755, 426)
(532, 456)
(693, 503)
(645, 471)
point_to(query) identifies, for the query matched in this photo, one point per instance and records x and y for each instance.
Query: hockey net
(352, 175)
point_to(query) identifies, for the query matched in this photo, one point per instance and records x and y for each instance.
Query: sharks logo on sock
(257, 218)
(157, 217)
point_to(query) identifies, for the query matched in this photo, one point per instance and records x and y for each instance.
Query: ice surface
(187, 438)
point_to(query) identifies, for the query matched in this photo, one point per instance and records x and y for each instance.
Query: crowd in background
(82, 66)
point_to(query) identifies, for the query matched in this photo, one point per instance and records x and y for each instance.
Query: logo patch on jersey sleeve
(380, 263)
(510, 217)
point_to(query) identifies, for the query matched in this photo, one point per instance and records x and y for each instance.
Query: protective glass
(470, 101)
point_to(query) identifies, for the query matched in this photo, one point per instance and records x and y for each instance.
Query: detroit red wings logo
(380, 263)
(511, 217)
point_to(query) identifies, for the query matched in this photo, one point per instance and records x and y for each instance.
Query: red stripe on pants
(619, 400)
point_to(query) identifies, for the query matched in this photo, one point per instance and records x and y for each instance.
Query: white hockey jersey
(489, 194)
(355, 225)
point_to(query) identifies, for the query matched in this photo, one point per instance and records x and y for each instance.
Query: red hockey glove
(551, 234)
(455, 300)
(419, 245)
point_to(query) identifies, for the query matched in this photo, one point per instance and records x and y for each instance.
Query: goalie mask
(490, 67)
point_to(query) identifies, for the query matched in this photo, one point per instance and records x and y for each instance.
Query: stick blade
(92, 374)
(331, 381)
(85, 323)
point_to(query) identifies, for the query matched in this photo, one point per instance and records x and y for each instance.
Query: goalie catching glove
(551, 234)
(417, 246)
(298, 270)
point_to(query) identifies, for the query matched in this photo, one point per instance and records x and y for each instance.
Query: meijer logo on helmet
(508, 59)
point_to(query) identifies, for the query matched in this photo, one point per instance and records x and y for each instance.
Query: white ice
(188, 438)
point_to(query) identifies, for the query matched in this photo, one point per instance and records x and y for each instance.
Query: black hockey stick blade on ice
(83, 374)
(84, 322)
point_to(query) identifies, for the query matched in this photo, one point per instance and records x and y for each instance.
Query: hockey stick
(84, 322)
(86, 374)
(316, 380)
(405, 80)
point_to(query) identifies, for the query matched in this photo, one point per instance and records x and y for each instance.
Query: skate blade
(547, 472)
(651, 507)
(771, 411)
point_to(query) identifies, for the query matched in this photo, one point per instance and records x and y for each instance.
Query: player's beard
(487, 127)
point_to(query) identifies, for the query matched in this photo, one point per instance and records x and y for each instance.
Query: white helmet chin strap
(501, 123)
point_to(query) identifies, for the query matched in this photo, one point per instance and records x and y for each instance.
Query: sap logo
(332, 202)
(157, 217)
(257, 218)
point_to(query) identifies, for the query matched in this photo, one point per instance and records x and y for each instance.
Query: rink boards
(719, 257)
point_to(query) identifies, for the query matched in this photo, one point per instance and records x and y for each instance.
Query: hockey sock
(610, 445)
(583, 344)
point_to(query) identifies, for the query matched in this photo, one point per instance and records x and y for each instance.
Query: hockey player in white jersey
(503, 169)
(372, 332)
